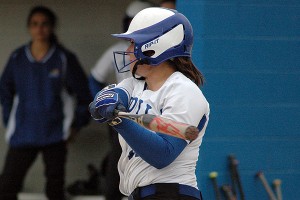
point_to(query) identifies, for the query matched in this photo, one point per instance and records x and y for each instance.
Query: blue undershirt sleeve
(157, 149)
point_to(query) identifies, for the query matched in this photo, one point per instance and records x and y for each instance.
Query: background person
(98, 79)
(168, 4)
(44, 96)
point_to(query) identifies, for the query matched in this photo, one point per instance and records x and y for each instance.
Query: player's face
(131, 55)
(142, 70)
(39, 27)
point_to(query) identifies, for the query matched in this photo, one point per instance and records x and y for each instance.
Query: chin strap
(139, 62)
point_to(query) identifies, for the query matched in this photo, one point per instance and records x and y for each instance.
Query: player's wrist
(115, 121)
(123, 124)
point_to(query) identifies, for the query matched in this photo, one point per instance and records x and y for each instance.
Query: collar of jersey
(46, 57)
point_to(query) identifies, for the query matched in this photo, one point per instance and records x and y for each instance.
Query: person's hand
(105, 103)
(95, 113)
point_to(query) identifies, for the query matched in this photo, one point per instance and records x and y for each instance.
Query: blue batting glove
(95, 114)
(105, 103)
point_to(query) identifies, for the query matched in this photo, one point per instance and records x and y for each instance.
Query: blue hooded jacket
(42, 100)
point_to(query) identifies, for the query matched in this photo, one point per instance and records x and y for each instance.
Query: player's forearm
(158, 150)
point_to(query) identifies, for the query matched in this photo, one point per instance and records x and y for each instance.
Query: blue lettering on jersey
(139, 106)
(148, 107)
(132, 104)
(134, 101)
(131, 154)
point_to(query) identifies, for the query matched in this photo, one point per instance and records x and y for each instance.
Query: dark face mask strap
(139, 62)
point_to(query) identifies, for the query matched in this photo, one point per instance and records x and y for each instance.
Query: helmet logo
(149, 44)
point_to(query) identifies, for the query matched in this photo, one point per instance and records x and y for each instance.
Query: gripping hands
(105, 103)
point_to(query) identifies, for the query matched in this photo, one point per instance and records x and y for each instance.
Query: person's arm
(7, 91)
(159, 150)
(77, 85)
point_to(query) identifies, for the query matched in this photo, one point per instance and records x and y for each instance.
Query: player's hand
(95, 114)
(103, 107)
(107, 102)
(92, 107)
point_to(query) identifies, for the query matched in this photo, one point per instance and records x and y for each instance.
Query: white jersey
(178, 99)
(106, 64)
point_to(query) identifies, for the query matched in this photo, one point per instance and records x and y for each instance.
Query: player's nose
(130, 47)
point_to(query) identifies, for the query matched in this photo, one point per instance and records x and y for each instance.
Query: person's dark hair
(187, 67)
(126, 22)
(49, 14)
(167, 1)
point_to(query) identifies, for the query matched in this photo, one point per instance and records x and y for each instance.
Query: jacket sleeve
(77, 85)
(7, 90)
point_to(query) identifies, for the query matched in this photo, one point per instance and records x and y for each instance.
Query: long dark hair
(51, 17)
(187, 67)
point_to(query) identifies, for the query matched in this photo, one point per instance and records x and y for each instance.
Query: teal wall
(249, 52)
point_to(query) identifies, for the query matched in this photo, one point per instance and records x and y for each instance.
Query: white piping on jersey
(68, 101)
(68, 110)
(12, 119)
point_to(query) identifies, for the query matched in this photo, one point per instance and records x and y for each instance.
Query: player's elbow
(160, 164)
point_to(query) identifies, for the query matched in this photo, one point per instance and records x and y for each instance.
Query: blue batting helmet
(159, 34)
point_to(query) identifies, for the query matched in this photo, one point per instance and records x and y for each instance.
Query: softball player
(165, 82)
